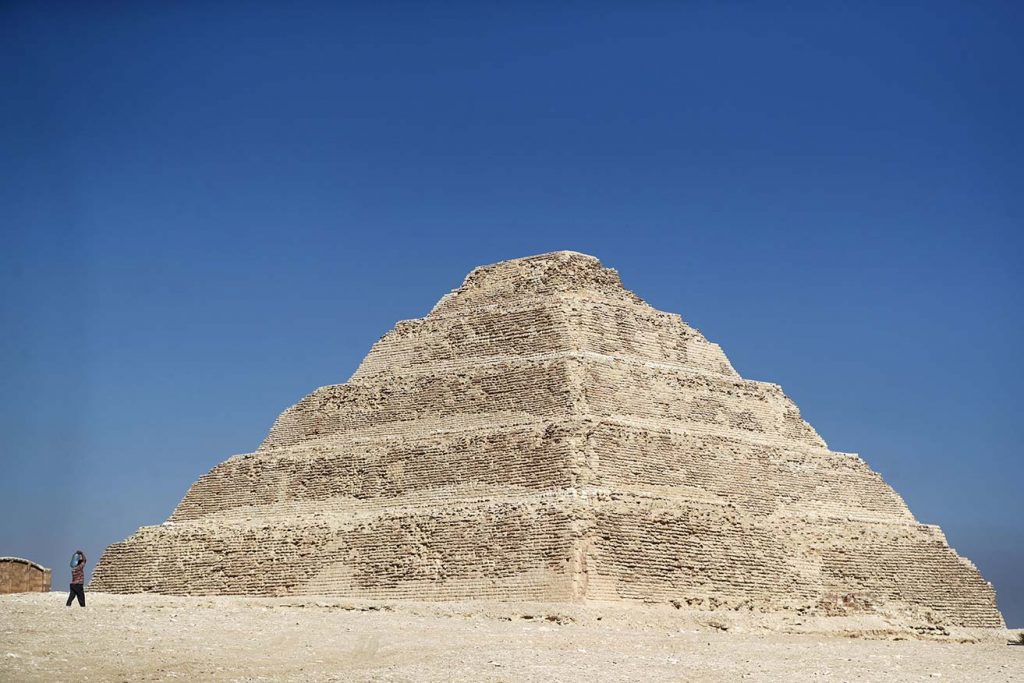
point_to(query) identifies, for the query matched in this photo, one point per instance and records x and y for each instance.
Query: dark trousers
(79, 590)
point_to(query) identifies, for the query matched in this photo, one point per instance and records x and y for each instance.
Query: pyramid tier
(504, 550)
(570, 384)
(368, 466)
(713, 557)
(600, 546)
(538, 326)
(758, 478)
(507, 390)
(615, 387)
(385, 468)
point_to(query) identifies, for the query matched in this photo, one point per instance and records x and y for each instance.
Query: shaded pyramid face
(543, 434)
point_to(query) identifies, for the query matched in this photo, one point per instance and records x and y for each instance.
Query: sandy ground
(131, 638)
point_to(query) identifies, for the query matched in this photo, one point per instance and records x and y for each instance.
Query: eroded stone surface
(18, 575)
(543, 434)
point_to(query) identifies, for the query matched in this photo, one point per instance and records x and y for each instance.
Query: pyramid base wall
(609, 547)
(504, 551)
(710, 557)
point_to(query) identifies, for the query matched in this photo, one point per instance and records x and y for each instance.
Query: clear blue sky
(210, 208)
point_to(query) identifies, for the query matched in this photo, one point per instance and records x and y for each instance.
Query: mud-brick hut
(18, 575)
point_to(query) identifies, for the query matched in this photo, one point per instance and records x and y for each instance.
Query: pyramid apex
(550, 273)
(557, 253)
(550, 258)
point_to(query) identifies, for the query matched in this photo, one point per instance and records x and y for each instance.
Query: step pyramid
(543, 434)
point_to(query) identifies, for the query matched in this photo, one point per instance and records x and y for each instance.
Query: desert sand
(150, 637)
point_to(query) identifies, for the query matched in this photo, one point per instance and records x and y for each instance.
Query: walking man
(77, 578)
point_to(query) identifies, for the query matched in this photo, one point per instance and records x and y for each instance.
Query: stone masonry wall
(22, 576)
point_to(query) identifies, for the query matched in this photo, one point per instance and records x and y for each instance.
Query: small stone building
(22, 576)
